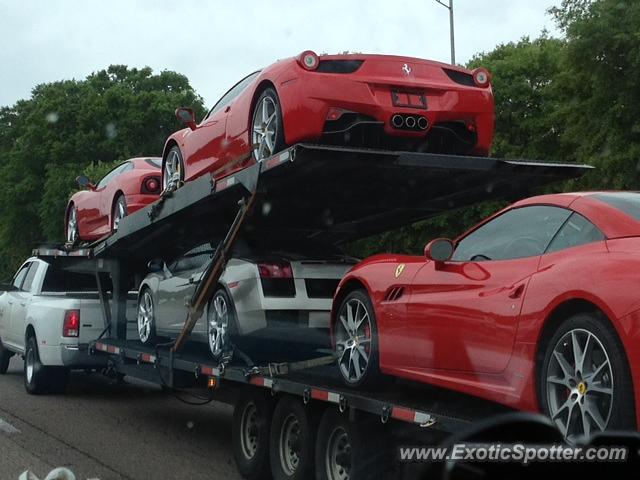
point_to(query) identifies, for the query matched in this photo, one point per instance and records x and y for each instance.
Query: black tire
(292, 442)
(57, 379)
(370, 375)
(35, 374)
(359, 449)
(250, 434)
(5, 358)
(118, 212)
(150, 337)
(258, 153)
(622, 407)
(173, 152)
(231, 329)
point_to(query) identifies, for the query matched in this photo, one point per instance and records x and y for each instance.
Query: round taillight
(309, 60)
(152, 185)
(481, 77)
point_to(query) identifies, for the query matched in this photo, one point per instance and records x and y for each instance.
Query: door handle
(23, 304)
(226, 110)
(516, 292)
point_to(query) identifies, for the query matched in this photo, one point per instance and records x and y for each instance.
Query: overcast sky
(215, 43)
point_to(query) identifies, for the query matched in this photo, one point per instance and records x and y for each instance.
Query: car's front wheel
(356, 340)
(173, 170)
(72, 232)
(146, 318)
(584, 381)
(267, 134)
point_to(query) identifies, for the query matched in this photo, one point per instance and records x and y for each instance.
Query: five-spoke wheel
(220, 315)
(72, 225)
(172, 170)
(267, 135)
(146, 326)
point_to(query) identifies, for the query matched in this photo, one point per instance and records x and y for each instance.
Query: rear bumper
(77, 356)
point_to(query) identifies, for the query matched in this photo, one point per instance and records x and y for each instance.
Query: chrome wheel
(72, 226)
(580, 388)
(338, 455)
(265, 129)
(289, 445)
(249, 431)
(218, 324)
(119, 212)
(145, 316)
(353, 340)
(30, 361)
(172, 173)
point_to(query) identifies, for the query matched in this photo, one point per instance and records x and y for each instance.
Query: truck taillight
(71, 325)
(275, 270)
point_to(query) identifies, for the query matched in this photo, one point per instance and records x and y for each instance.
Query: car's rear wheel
(119, 212)
(173, 170)
(356, 340)
(5, 358)
(72, 225)
(267, 134)
(584, 381)
(146, 318)
(220, 322)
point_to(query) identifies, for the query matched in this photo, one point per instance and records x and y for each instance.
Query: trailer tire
(35, 374)
(292, 444)
(351, 450)
(250, 434)
(5, 357)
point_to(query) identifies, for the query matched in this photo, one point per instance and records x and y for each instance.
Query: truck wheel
(292, 443)
(250, 434)
(343, 448)
(34, 372)
(5, 356)
(57, 379)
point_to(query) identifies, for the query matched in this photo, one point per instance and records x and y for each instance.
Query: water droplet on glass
(110, 130)
(52, 117)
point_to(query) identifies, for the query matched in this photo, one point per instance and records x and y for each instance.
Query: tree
(67, 127)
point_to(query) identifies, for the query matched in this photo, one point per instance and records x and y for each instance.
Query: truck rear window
(63, 281)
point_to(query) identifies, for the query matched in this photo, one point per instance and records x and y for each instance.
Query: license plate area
(408, 99)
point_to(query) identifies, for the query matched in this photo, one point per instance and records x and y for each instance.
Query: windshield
(325, 240)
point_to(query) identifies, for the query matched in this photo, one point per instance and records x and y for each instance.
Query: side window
(114, 173)
(236, 90)
(31, 274)
(518, 233)
(195, 258)
(577, 230)
(19, 278)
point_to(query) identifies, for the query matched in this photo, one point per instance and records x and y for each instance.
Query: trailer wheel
(292, 443)
(5, 357)
(250, 434)
(351, 450)
(34, 372)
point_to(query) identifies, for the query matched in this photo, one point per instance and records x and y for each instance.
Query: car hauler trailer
(292, 416)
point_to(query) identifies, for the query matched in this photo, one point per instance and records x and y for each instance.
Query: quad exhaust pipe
(409, 122)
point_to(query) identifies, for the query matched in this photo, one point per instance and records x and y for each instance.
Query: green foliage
(71, 127)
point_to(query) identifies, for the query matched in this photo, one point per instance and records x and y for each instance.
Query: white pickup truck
(49, 317)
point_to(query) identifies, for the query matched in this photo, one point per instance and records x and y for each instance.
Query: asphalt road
(100, 430)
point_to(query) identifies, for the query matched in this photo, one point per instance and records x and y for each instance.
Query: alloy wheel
(72, 226)
(580, 387)
(265, 129)
(218, 325)
(119, 212)
(145, 316)
(353, 340)
(172, 171)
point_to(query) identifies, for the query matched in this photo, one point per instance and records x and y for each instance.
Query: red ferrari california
(386, 101)
(535, 307)
(96, 211)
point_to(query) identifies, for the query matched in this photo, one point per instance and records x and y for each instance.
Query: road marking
(6, 427)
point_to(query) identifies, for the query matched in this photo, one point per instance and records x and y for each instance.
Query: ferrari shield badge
(399, 269)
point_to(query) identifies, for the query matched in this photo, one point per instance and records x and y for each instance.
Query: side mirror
(84, 182)
(187, 116)
(155, 265)
(439, 250)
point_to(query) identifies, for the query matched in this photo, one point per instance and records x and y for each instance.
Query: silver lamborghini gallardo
(291, 286)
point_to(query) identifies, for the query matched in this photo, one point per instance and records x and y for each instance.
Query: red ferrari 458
(359, 100)
(535, 308)
(96, 211)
